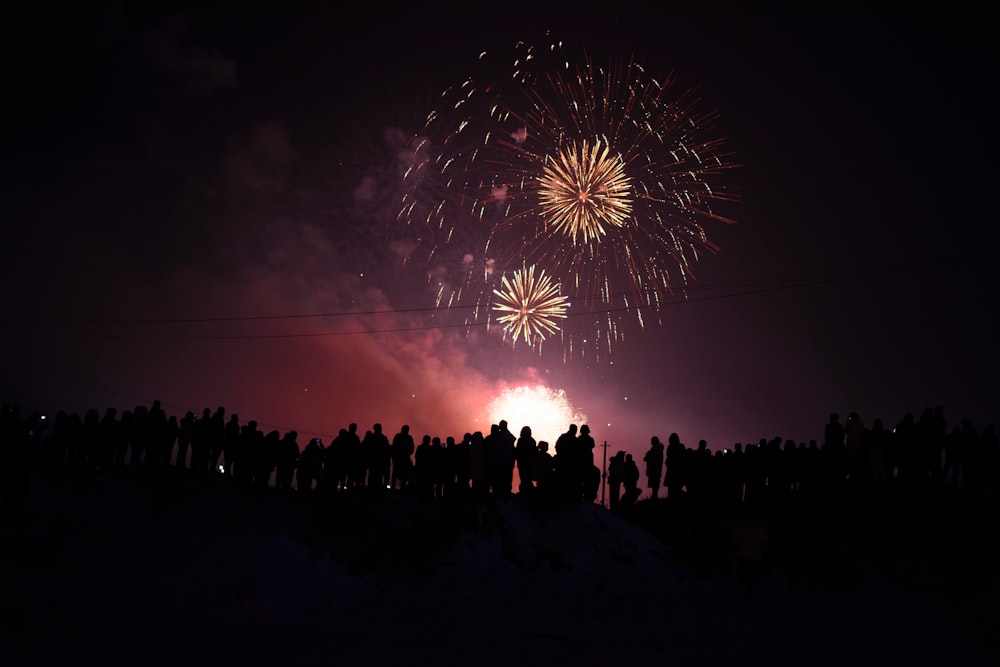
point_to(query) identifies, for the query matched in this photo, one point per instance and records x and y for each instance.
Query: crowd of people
(765, 491)
(479, 465)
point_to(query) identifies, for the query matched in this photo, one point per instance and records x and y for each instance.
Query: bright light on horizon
(547, 411)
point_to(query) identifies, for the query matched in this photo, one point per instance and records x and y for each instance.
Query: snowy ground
(109, 571)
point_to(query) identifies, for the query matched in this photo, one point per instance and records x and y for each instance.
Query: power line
(752, 287)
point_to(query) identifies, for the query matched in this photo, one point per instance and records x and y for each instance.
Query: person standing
(654, 466)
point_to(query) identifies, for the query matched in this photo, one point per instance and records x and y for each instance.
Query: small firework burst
(530, 304)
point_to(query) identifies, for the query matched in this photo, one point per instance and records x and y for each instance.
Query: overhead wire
(683, 295)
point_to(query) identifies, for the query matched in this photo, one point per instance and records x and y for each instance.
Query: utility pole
(604, 473)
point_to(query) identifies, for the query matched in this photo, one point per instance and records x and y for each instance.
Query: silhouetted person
(156, 447)
(267, 459)
(700, 470)
(123, 439)
(566, 467)
(379, 454)
(877, 452)
(402, 458)
(335, 464)
(139, 436)
(310, 467)
(833, 432)
(952, 466)
(836, 464)
(439, 468)
(500, 459)
(854, 443)
(247, 454)
(524, 454)
(654, 465)
(173, 432)
(463, 473)
(904, 449)
(585, 460)
(231, 445)
(452, 463)
(675, 466)
(354, 457)
(931, 429)
(733, 467)
(541, 469)
(616, 478)
(87, 442)
(288, 458)
(422, 468)
(478, 466)
(107, 439)
(201, 442)
(631, 482)
(566, 441)
(216, 439)
(184, 435)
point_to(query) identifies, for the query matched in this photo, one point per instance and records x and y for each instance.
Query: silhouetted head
(377, 427)
(405, 429)
(572, 429)
(585, 429)
(654, 440)
(503, 424)
(525, 431)
(543, 446)
(353, 428)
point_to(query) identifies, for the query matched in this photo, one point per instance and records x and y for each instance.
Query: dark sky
(167, 166)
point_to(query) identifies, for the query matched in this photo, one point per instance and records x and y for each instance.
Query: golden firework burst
(584, 189)
(530, 304)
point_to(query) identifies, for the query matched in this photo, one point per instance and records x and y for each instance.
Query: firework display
(597, 174)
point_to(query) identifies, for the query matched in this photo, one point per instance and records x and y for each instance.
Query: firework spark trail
(597, 174)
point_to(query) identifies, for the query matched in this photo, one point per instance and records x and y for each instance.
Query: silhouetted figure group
(915, 451)
(701, 486)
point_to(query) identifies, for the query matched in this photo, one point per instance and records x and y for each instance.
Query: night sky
(199, 209)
